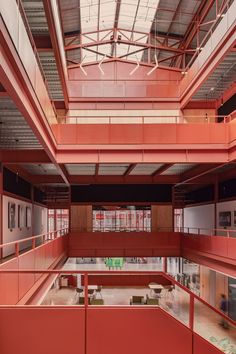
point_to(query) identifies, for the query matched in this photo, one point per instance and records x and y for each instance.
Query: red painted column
(165, 265)
(191, 312)
(86, 290)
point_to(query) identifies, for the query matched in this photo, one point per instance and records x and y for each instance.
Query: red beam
(96, 169)
(130, 168)
(130, 179)
(43, 43)
(122, 41)
(162, 169)
(198, 171)
(24, 156)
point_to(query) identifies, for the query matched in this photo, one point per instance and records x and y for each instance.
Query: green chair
(152, 301)
(137, 300)
(97, 302)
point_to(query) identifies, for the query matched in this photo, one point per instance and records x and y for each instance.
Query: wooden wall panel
(162, 217)
(81, 218)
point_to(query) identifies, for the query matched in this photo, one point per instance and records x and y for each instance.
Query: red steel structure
(114, 94)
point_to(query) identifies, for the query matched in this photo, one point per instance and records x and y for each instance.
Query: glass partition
(210, 325)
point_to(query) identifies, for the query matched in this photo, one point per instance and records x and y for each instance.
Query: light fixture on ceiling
(100, 63)
(155, 67)
(136, 67)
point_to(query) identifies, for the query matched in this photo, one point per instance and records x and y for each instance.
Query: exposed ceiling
(140, 169)
(35, 13)
(15, 133)
(93, 22)
(41, 169)
(219, 80)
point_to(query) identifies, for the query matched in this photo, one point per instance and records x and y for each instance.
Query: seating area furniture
(137, 300)
(151, 300)
(98, 291)
(96, 302)
(155, 289)
(91, 301)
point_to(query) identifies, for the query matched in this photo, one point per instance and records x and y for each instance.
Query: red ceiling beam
(24, 156)
(198, 171)
(56, 46)
(203, 10)
(162, 169)
(130, 179)
(96, 169)
(43, 43)
(129, 169)
(136, 154)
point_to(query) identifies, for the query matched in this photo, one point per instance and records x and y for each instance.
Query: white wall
(16, 233)
(227, 206)
(40, 220)
(201, 216)
(38, 223)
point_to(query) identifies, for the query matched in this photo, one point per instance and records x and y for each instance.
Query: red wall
(141, 133)
(139, 331)
(201, 346)
(126, 280)
(48, 330)
(14, 286)
(216, 252)
(129, 244)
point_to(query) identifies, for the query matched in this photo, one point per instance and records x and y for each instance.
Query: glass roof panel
(100, 15)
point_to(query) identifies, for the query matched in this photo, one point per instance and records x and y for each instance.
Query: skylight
(99, 16)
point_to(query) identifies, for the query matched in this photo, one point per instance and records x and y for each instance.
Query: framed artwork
(225, 218)
(234, 218)
(11, 215)
(28, 217)
(20, 216)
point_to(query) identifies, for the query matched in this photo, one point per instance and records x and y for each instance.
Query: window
(122, 219)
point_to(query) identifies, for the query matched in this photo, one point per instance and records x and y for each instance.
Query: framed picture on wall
(224, 218)
(234, 218)
(28, 217)
(20, 216)
(11, 215)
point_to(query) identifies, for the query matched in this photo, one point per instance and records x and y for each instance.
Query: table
(155, 286)
(92, 287)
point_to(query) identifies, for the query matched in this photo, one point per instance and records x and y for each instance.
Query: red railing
(86, 274)
(42, 237)
(144, 119)
(207, 231)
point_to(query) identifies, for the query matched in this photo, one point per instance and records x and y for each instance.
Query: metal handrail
(123, 119)
(143, 119)
(211, 232)
(52, 235)
(86, 274)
